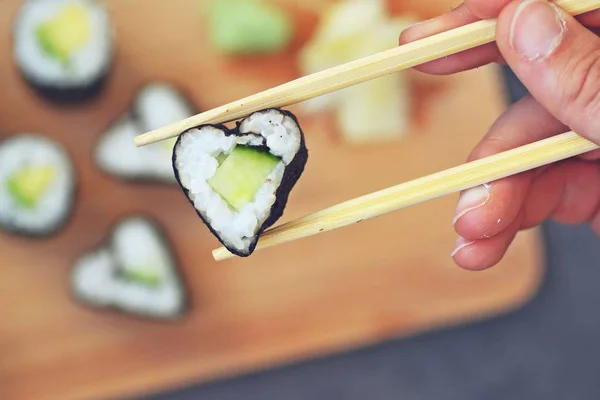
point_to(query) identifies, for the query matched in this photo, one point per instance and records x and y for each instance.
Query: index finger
(486, 9)
(460, 16)
(468, 12)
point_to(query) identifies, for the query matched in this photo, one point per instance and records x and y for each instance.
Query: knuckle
(582, 85)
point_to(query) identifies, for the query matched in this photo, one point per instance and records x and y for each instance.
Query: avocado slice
(29, 185)
(67, 32)
(145, 276)
(242, 174)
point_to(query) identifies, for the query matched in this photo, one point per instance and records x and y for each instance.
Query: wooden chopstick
(452, 180)
(355, 72)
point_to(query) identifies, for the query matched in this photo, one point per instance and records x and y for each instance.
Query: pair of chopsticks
(453, 180)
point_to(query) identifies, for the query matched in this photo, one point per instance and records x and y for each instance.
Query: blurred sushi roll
(64, 48)
(135, 272)
(239, 180)
(156, 105)
(37, 184)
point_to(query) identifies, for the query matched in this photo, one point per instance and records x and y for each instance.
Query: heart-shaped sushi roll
(64, 48)
(37, 185)
(134, 273)
(157, 104)
(239, 180)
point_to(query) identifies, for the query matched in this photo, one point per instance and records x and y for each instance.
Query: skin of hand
(557, 58)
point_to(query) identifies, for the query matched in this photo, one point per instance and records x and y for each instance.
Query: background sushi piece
(239, 180)
(64, 48)
(37, 185)
(156, 105)
(136, 272)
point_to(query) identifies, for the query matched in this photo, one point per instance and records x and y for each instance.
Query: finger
(557, 59)
(462, 61)
(568, 192)
(482, 254)
(485, 212)
(592, 155)
(591, 19)
(485, 9)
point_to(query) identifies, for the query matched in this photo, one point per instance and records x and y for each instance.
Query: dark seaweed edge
(227, 132)
(290, 177)
(73, 197)
(142, 179)
(106, 243)
(79, 94)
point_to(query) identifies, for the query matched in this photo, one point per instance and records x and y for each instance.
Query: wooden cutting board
(385, 278)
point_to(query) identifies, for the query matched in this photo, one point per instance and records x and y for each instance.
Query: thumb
(557, 59)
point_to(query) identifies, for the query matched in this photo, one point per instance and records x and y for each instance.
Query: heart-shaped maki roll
(135, 272)
(239, 180)
(156, 104)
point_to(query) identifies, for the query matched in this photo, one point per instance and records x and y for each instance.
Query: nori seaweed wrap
(239, 180)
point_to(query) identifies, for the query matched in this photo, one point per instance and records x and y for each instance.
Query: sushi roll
(37, 184)
(156, 105)
(239, 180)
(135, 273)
(64, 48)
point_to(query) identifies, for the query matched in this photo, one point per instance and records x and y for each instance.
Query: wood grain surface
(385, 278)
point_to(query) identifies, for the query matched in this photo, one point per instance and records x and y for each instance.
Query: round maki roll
(239, 180)
(135, 272)
(37, 183)
(64, 48)
(156, 105)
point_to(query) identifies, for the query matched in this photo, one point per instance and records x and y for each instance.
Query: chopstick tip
(221, 254)
(139, 141)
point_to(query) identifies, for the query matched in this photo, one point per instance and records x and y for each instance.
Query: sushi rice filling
(201, 153)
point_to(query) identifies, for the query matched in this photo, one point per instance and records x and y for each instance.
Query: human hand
(557, 57)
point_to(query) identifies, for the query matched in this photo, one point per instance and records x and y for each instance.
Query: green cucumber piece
(144, 276)
(221, 157)
(242, 174)
(29, 185)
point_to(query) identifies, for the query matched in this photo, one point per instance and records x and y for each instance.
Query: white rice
(86, 65)
(196, 162)
(159, 104)
(35, 150)
(134, 244)
(156, 105)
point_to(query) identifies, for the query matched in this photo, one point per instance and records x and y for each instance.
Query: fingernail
(461, 243)
(470, 200)
(537, 29)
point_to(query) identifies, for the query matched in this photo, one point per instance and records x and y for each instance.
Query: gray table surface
(546, 350)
